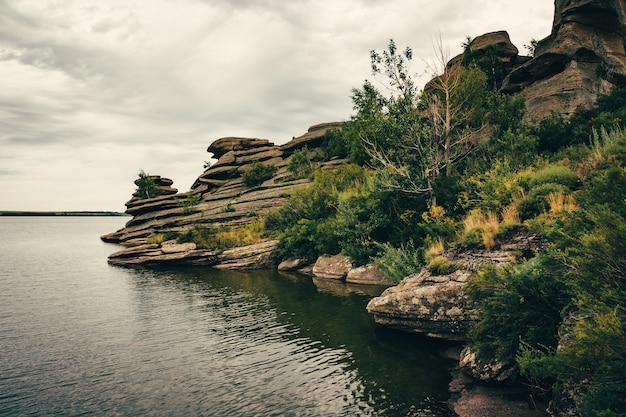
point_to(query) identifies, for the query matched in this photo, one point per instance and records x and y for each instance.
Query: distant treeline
(61, 213)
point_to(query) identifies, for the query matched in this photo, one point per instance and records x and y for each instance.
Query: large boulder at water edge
(332, 267)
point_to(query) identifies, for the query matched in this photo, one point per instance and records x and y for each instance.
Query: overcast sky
(93, 91)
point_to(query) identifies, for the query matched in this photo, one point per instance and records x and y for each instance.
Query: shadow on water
(400, 373)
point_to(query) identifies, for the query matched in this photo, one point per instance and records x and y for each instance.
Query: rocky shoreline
(580, 60)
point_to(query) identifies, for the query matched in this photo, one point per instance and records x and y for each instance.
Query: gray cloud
(94, 91)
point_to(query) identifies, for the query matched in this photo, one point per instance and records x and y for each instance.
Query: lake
(79, 337)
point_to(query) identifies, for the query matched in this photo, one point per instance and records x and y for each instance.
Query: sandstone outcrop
(217, 198)
(435, 305)
(580, 60)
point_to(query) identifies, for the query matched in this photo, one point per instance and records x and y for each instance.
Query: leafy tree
(300, 163)
(418, 138)
(146, 186)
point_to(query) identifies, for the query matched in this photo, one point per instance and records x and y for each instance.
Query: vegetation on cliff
(455, 166)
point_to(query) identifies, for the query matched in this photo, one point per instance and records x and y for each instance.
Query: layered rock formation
(217, 198)
(580, 60)
(435, 305)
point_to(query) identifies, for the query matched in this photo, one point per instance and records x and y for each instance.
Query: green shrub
(258, 173)
(536, 202)
(555, 174)
(517, 302)
(299, 240)
(189, 202)
(554, 132)
(441, 266)
(228, 208)
(399, 262)
(300, 163)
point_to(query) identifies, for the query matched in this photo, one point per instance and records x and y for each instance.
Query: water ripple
(79, 337)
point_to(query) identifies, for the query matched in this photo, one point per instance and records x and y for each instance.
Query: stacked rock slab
(435, 305)
(222, 200)
(580, 60)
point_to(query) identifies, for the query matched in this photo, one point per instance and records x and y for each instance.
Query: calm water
(81, 338)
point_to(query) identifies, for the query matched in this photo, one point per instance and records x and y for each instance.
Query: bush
(555, 174)
(258, 173)
(400, 262)
(517, 302)
(300, 241)
(222, 238)
(441, 266)
(189, 202)
(300, 164)
(536, 201)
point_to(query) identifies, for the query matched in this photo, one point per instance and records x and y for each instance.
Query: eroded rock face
(218, 198)
(435, 305)
(582, 59)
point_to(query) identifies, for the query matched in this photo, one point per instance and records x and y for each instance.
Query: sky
(92, 91)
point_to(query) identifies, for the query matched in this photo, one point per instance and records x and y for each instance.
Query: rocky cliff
(218, 197)
(580, 60)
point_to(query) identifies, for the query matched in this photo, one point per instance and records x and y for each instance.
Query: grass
(561, 203)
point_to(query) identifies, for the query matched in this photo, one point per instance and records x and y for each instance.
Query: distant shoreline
(62, 213)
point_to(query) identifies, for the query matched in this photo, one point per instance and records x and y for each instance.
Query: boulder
(332, 267)
(368, 275)
(485, 370)
(433, 305)
(313, 138)
(507, 52)
(257, 256)
(292, 264)
(224, 145)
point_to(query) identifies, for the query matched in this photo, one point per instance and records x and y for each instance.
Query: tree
(416, 137)
(146, 186)
(453, 97)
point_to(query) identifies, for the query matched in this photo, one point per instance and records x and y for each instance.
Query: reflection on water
(80, 337)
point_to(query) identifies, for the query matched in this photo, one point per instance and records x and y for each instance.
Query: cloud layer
(94, 91)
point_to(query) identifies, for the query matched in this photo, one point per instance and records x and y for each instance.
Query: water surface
(81, 338)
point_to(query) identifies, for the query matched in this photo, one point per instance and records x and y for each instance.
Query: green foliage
(410, 201)
(441, 266)
(228, 208)
(300, 163)
(593, 334)
(146, 187)
(338, 212)
(488, 60)
(189, 202)
(505, 111)
(399, 262)
(554, 132)
(518, 302)
(258, 173)
(555, 174)
(222, 238)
